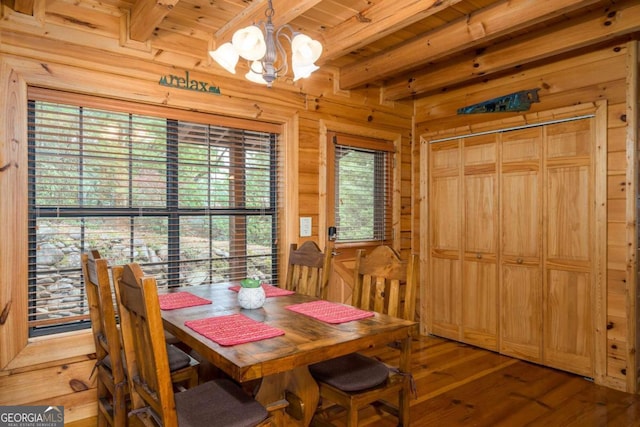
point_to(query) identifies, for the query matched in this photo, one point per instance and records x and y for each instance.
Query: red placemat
(233, 329)
(180, 300)
(330, 312)
(269, 290)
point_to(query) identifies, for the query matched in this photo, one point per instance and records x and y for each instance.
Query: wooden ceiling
(410, 48)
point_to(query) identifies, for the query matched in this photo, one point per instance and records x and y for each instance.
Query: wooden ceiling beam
(597, 27)
(487, 24)
(21, 6)
(146, 16)
(285, 12)
(380, 20)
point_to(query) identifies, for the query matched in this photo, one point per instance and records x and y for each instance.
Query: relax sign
(188, 84)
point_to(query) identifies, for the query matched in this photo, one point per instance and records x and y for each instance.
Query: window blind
(363, 189)
(194, 202)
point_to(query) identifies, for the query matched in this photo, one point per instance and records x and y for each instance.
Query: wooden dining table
(281, 362)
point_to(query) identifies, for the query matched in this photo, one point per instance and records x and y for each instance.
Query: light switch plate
(305, 226)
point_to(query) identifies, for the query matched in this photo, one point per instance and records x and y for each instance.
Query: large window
(362, 184)
(192, 200)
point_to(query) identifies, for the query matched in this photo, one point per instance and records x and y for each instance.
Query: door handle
(333, 233)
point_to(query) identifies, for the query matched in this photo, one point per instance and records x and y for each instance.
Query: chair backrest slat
(394, 297)
(308, 270)
(385, 283)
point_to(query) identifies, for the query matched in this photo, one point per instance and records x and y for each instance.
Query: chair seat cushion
(218, 403)
(178, 359)
(107, 361)
(352, 372)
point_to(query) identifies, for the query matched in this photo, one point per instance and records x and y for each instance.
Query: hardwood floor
(460, 385)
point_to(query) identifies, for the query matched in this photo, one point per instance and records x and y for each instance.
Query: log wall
(51, 52)
(71, 49)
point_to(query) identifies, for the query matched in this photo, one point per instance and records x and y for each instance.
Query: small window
(362, 184)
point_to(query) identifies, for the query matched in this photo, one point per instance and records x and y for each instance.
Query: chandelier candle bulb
(249, 43)
(226, 56)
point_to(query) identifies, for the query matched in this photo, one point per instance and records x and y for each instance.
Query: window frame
(325, 219)
(18, 350)
(384, 152)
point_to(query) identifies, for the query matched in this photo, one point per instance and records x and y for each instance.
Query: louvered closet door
(445, 223)
(521, 244)
(480, 242)
(568, 247)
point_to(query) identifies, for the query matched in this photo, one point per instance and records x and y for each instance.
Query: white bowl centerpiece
(251, 294)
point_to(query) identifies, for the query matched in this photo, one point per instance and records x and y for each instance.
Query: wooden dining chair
(219, 402)
(308, 270)
(111, 381)
(385, 284)
(112, 387)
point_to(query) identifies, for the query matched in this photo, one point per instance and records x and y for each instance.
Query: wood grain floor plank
(460, 385)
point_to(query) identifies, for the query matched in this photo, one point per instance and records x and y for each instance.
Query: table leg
(298, 382)
(405, 395)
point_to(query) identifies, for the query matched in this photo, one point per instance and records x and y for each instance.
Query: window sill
(51, 350)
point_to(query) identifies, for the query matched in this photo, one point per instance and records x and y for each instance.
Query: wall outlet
(305, 226)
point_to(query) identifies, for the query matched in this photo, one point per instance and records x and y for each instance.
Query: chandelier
(260, 45)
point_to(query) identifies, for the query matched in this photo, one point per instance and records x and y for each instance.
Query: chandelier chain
(269, 12)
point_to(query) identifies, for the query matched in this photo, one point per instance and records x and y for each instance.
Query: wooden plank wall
(48, 51)
(608, 73)
(57, 51)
